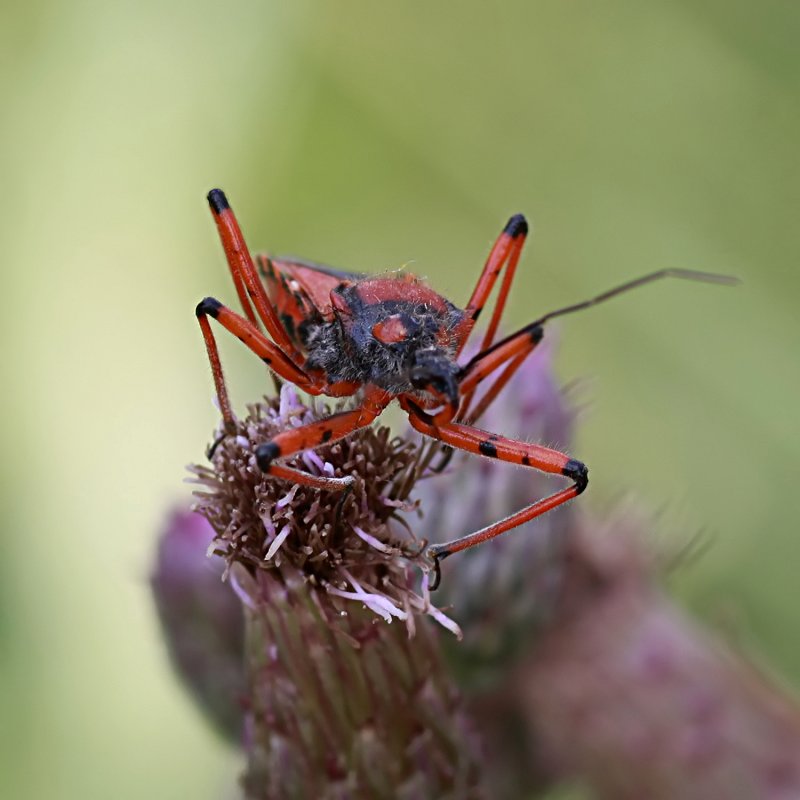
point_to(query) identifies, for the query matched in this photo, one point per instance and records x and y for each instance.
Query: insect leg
(472, 440)
(248, 285)
(219, 378)
(505, 252)
(471, 417)
(323, 482)
(248, 333)
(307, 437)
(514, 348)
(235, 267)
(499, 383)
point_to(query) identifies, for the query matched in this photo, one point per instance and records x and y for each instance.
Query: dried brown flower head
(352, 544)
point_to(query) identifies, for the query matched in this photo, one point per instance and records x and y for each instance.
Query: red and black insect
(385, 338)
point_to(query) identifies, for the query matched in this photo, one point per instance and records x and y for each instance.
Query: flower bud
(201, 619)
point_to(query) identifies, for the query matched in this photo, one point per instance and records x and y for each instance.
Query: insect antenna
(685, 274)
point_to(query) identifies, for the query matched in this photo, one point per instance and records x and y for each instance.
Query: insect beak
(451, 391)
(438, 379)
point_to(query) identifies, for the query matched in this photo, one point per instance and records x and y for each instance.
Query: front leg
(307, 437)
(544, 459)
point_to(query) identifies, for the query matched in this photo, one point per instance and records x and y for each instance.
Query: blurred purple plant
(202, 620)
(628, 694)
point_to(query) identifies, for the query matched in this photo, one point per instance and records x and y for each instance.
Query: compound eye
(391, 330)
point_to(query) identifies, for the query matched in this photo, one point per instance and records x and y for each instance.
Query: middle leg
(511, 351)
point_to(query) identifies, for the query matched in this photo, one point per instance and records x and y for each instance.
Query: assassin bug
(384, 338)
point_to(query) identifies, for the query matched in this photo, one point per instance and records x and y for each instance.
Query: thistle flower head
(350, 545)
(340, 702)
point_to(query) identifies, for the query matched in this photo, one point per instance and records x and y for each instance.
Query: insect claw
(433, 584)
(229, 429)
(446, 456)
(212, 448)
(347, 491)
(436, 553)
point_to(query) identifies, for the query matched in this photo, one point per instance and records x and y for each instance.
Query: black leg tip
(218, 201)
(265, 454)
(212, 448)
(447, 454)
(437, 553)
(578, 472)
(208, 307)
(516, 226)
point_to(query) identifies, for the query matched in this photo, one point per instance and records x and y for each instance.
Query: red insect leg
(506, 250)
(234, 266)
(323, 482)
(307, 437)
(479, 368)
(511, 451)
(219, 377)
(252, 337)
(471, 417)
(513, 348)
(244, 272)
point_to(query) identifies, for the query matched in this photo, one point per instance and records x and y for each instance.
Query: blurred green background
(367, 135)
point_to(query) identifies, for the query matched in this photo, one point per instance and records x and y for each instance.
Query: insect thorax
(347, 348)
